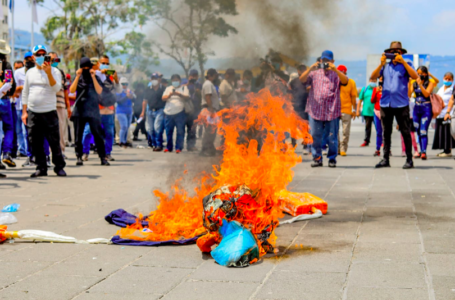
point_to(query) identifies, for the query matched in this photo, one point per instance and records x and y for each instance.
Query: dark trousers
(140, 126)
(40, 126)
(190, 131)
(368, 122)
(15, 144)
(208, 140)
(401, 114)
(95, 129)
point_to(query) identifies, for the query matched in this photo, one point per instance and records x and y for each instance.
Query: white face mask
(154, 82)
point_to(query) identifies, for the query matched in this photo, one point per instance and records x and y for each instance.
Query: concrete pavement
(389, 234)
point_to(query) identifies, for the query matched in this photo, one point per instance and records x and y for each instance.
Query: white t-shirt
(445, 95)
(209, 89)
(37, 94)
(175, 104)
(19, 78)
(227, 90)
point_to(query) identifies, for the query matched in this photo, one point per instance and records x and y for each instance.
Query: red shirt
(376, 98)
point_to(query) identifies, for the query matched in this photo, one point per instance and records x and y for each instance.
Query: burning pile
(243, 195)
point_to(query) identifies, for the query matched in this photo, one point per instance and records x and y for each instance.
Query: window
(5, 20)
(5, 36)
(5, 2)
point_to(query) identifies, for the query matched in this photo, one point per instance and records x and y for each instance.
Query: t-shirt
(346, 93)
(445, 95)
(19, 77)
(154, 97)
(228, 91)
(125, 104)
(61, 94)
(395, 88)
(37, 94)
(368, 106)
(209, 89)
(175, 104)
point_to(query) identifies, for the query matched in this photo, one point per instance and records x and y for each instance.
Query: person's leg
(36, 134)
(208, 140)
(425, 121)
(333, 127)
(108, 126)
(159, 127)
(317, 132)
(15, 141)
(387, 122)
(117, 130)
(20, 133)
(170, 124)
(416, 120)
(378, 126)
(368, 124)
(136, 129)
(191, 133)
(86, 138)
(402, 117)
(151, 127)
(414, 142)
(47, 150)
(95, 128)
(79, 128)
(123, 120)
(180, 121)
(8, 131)
(62, 115)
(52, 133)
(346, 124)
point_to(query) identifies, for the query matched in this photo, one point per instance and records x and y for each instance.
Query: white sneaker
(445, 154)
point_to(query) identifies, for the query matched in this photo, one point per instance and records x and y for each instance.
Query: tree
(188, 25)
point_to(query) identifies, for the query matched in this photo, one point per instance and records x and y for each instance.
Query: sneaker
(417, 155)
(332, 164)
(48, 160)
(408, 165)
(22, 155)
(158, 149)
(342, 153)
(377, 153)
(109, 158)
(2, 175)
(135, 139)
(38, 173)
(105, 162)
(423, 156)
(7, 160)
(305, 152)
(79, 161)
(443, 154)
(365, 144)
(317, 163)
(85, 157)
(167, 150)
(2, 166)
(178, 151)
(60, 173)
(192, 149)
(383, 164)
(129, 145)
(28, 163)
(324, 152)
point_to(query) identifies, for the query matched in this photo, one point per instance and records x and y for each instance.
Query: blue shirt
(124, 104)
(395, 89)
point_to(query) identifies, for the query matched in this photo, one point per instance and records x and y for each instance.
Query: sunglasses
(39, 55)
(106, 64)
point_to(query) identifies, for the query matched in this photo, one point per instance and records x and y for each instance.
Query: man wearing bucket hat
(395, 101)
(39, 113)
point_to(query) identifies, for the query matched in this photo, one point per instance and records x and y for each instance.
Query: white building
(4, 23)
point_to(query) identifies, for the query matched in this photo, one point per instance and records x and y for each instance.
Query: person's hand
(79, 73)
(115, 76)
(353, 115)
(92, 73)
(332, 67)
(399, 59)
(69, 112)
(128, 94)
(314, 66)
(419, 81)
(141, 116)
(383, 59)
(358, 114)
(447, 117)
(47, 68)
(103, 71)
(24, 118)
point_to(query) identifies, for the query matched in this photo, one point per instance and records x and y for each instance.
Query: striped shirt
(324, 103)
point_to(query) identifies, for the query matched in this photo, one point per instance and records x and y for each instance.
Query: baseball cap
(94, 60)
(124, 80)
(38, 48)
(327, 54)
(194, 72)
(342, 68)
(28, 54)
(155, 75)
(211, 72)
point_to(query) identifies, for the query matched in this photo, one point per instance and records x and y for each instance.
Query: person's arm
(410, 89)
(412, 73)
(208, 99)
(449, 109)
(354, 100)
(144, 107)
(25, 92)
(343, 78)
(377, 72)
(67, 103)
(96, 84)
(362, 93)
(53, 83)
(73, 86)
(425, 91)
(167, 93)
(434, 78)
(303, 78)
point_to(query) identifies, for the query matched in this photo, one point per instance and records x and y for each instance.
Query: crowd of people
(44, 111)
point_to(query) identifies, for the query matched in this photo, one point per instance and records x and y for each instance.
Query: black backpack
(107, 97)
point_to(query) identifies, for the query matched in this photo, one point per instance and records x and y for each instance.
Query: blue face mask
(447, 83)
(104, 67)
(373, 84)
(176, 84)
(39, 60)
(54, 64)
(276, 66)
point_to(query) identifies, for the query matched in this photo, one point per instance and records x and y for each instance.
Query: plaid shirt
(324, 103)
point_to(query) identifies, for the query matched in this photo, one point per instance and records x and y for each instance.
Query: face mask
(246, 82)
(373, 84)
(29, 64)
(104, 67)
(276, 66)
(54, 64)
(176, 84)
(154, 82)
(423, 77)
(447, 83)
(40, 60)
(192, 81)
(381, 83)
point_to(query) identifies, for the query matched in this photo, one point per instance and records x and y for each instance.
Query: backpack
(107, 97)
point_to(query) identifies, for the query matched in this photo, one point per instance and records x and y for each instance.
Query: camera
(56, 60)
(323, 65)
(47, 58)
(390, 55)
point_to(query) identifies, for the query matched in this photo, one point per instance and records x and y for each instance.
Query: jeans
(15, 146)
(125, 122)
(368, 123)
(8, 126)
(317, 131)
(178, 121)
(107, 125)
(43, 126)
(401, 114)
(378, 126)
(21, 134)
(422, 119)
(155, 120)
(87, 139)
(95, 129)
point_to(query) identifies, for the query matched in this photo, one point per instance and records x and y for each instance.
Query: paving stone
(441, 264)
(371, 293)
(444, 287)
(174, 256)
(13, 271)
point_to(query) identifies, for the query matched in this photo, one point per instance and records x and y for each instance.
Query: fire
(255, 155)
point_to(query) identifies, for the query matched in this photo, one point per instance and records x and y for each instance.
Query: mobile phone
(57, 60)
(110, 72)
(8, 75)
(47, 58)
(390, 55)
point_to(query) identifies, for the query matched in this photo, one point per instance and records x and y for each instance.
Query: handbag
(437, 104)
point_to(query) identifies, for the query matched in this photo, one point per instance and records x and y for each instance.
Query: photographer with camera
(324, 105)
(395, 101)
(39, 112)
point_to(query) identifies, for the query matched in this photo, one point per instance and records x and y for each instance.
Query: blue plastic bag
(236, 242)
(11, 208)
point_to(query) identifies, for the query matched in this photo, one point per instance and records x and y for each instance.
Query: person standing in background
(443, 139)
(194, 88)
(348, 96)
(244, 86)
(367, 110)
(211, 102)
(375, 99)
(124, 110)
(227, 89)
(20, 127)
(137, 110)
(299, 98)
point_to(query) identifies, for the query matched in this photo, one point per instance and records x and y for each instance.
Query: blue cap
(327, 54)
(155, 75)
(28, 54)
(194, 72)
